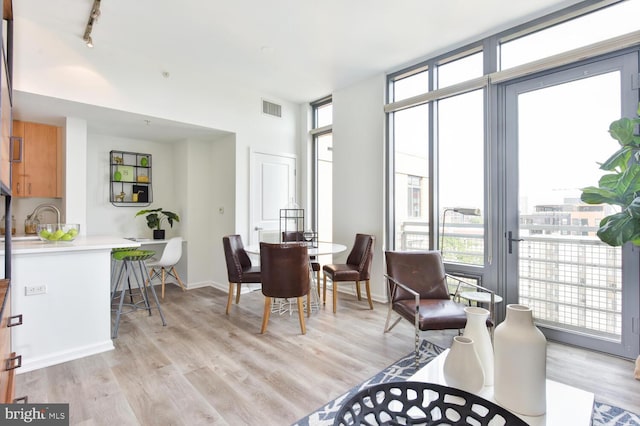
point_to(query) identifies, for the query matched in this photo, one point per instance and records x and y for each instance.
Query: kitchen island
(62, 289)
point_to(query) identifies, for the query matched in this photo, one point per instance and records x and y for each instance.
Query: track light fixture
(93, 16)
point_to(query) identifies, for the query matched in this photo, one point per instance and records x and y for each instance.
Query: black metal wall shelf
(130, 179)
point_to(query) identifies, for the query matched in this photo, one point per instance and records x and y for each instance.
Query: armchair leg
(301, 315)
(358, 290)
(230, 298)
(266, 314)
(369, 295)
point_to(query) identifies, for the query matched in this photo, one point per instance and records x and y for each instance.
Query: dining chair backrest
(284, 269)
(236, 257)
(361, 255)
(288, 236)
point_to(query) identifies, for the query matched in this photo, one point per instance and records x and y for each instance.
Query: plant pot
(158, 234)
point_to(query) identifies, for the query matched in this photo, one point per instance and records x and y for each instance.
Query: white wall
(126, 81)
(358, 171)
(103, 218)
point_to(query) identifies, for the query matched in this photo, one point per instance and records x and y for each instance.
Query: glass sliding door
(582, 291)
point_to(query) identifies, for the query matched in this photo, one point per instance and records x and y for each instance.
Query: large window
(578, 32)
(458, 127)
(322, 145)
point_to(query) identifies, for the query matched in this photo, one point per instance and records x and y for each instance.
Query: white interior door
(273, 186)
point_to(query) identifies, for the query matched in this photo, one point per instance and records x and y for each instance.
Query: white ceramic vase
(476, 330)
(520, 354)
(462, 368)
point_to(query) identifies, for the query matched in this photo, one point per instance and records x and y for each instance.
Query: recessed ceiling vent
(269, 108)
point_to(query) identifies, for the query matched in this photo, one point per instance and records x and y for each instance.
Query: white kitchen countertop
(81, 243)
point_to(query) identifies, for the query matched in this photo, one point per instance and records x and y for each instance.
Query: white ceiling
(296, 50)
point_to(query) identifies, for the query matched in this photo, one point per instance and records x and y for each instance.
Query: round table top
(322, 249)
(480, 296)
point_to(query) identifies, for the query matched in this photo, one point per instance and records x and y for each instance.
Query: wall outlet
(32, 290)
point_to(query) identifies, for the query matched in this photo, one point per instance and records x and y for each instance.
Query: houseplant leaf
(617, 229)
(622, 130)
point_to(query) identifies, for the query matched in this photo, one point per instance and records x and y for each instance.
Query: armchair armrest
(394, 286)
(456, 294)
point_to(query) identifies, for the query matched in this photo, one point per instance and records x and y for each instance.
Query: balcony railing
(567, 275)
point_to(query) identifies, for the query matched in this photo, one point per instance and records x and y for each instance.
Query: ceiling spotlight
(93, 15)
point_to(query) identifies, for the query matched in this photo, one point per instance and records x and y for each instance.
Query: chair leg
(324, 289)
(164, 274)
(267, 313)
(318, 281)
(358, 290)
(303, 328)
(369, 295)
(230, 298)
(334, 286)
(173, 272)
(238, 294)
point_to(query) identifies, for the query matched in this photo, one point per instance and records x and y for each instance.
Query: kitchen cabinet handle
(10, 323)
(18, 187)
(29, 188)
(12, 139)
(13, 362)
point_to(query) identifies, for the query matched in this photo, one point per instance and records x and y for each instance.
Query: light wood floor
(208, 368)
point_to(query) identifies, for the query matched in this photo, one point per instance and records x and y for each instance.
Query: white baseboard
(30, 364)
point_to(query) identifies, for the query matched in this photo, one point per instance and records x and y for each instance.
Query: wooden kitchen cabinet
(8, 359)
(37, 160)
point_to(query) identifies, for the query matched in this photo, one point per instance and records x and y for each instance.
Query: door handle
(511, 241)
(257, 228)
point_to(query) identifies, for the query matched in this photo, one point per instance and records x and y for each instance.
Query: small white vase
(462, 368)
(476, 330)
(520, 363)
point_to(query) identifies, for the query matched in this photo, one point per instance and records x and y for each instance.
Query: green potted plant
(155, 217)
(620, 186)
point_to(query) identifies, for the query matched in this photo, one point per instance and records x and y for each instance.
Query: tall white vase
(520, 353)
(476, 330)
(462, 368)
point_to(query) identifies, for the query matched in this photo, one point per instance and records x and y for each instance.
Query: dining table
(315, 249)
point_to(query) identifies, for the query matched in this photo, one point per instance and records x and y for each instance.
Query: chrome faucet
(41, 207)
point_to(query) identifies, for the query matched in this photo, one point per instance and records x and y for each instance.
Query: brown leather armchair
(239, 267)
(285, 274)
(289, 236)
(418, 292)
(357, 268)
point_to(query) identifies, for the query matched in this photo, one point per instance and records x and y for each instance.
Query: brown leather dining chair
(419, 293)
(357, 269)
(285, 274)
(289, 236)
(239, 267)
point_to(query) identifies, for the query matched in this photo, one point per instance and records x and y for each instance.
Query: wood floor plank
(206, 367)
